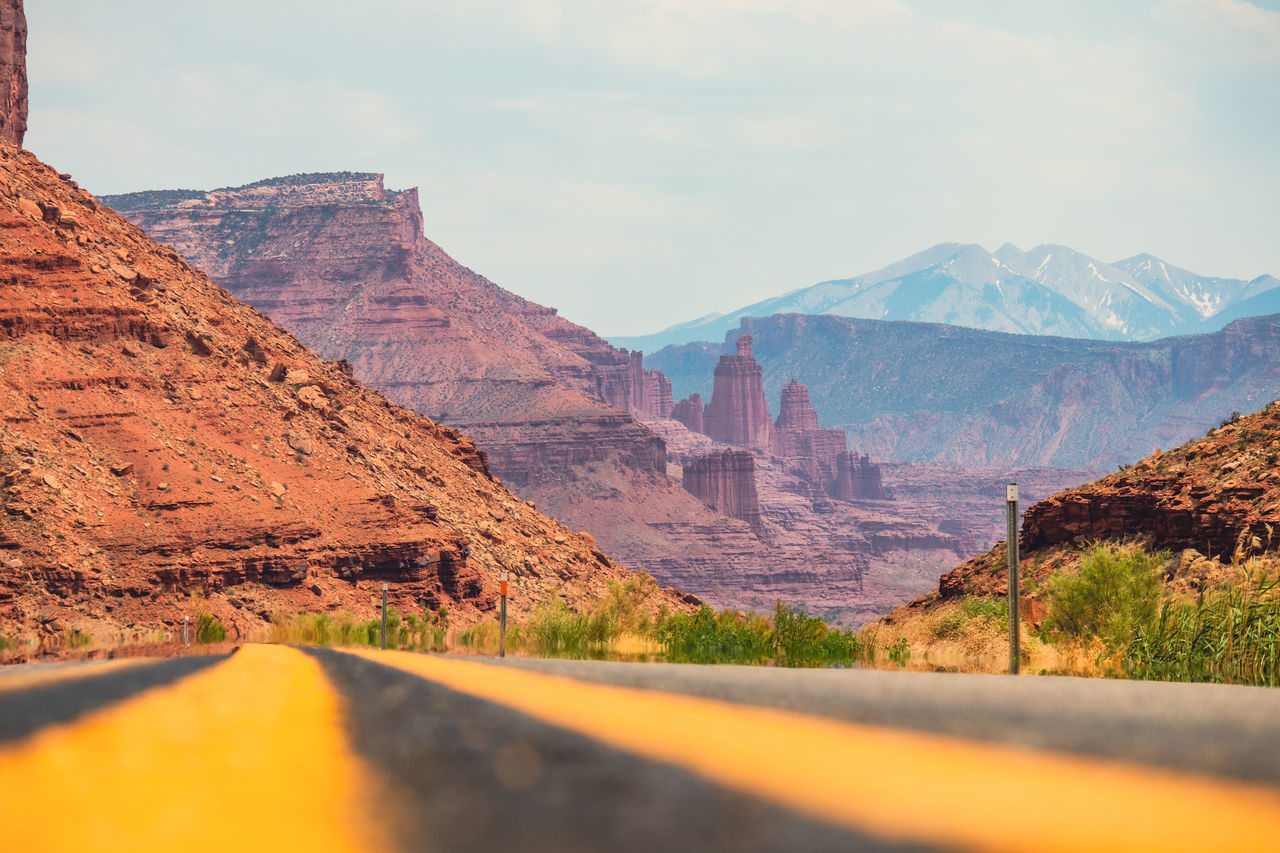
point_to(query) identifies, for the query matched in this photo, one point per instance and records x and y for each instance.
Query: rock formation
(13, 71)
(738, 413)
(625, 384)
(725, 480)
(795, 411)
(857, 477)
(162, 440)
(942, 394)
(689, 412)
(1218, 495)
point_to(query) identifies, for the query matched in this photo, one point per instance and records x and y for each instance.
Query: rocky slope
(166, 449)
(1049, 290)
(1216, 498)
(929, 393)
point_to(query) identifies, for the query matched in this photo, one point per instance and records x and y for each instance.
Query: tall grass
(1230, 634)
(1116, 590)
(424, 632)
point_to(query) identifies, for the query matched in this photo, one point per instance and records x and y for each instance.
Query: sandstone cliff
(160, 440)
(738, 412)
(689, 412)
(857, 478)
(13, 71)
(726, 481)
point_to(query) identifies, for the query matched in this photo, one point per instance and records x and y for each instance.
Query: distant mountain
(1049, 290)
(920, 392)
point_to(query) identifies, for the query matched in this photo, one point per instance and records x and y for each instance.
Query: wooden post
(384, 615)
(502, 615)
(1011, 504)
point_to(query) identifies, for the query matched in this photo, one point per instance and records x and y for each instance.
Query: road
(281, 748)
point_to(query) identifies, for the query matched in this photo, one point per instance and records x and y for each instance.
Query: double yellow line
(254, 753)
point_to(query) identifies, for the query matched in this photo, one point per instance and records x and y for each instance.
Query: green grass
(423, 632)
(1225, 635)
(992, 611)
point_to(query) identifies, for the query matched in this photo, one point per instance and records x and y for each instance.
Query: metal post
(502, 615)
(384, 615)
(186, 623)
(1011, 501)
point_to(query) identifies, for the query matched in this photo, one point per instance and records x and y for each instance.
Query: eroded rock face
(689, 412)
(795, 411)
(726, 481)
(13, 71)
(738, 412)
(1218, 495)
(161, 438)
(857, 477)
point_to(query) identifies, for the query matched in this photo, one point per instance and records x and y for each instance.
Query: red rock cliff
(726, 481)
(13, 71)
(170, 439)
(795, 411)
(689, 412)
(857, 477)
(738, 412)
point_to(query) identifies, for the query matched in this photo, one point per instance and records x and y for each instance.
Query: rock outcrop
(1218, 495)
(857, 478)
(725, 480)
(13, 71)
(689, 412)
(738, 413)
(806, 447)
(795, 411)
(165, 449)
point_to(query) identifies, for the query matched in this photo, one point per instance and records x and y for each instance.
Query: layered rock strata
(165, 449)
(738, 413)
(726, 481)
(13, 71)
(689, 412)
(858, 478)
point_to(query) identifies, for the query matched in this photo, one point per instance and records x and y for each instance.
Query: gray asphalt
(1223, 730)
(473, 775)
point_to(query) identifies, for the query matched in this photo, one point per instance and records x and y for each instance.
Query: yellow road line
(249, 754)
(22, 679)
(891, 783)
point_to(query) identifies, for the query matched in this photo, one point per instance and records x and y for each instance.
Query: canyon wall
(689, 412)
(857, 478)
(726, 481)
(167, 450)
(932, 393)
(13, 71)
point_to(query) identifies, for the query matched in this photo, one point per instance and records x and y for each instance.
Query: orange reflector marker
(888, 782)
(249, 754)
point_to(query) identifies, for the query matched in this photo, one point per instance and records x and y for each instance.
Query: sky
(638, 163)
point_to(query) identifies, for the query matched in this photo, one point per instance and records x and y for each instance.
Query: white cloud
(1255, 29)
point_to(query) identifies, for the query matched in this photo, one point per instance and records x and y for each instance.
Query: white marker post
(186, 623)
(384, 615)
(1011, 504)
(502, 615)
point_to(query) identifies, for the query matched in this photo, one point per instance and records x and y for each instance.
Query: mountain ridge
(1048, 290)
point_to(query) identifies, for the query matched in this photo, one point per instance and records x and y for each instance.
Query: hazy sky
(636, 163)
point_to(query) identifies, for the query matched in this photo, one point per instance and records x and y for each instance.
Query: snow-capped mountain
(1049, 290)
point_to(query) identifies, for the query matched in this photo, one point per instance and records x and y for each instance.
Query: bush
(1116, 590)
(209, 629)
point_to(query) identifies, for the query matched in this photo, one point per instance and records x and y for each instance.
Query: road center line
(898, 784)
(249, 754)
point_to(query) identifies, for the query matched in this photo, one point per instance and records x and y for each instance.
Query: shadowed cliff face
(13, 71)
(159, 438)
(726, 481)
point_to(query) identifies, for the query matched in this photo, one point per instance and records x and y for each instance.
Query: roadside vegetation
(1121, 612)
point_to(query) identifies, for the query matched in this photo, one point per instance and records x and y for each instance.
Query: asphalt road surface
(276, 748)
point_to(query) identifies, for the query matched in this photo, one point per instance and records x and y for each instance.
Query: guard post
(1011, 505)
(502, 615)
(384, 615)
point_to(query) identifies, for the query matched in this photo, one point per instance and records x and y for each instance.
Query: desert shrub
(1116, 590)
(209, 629)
